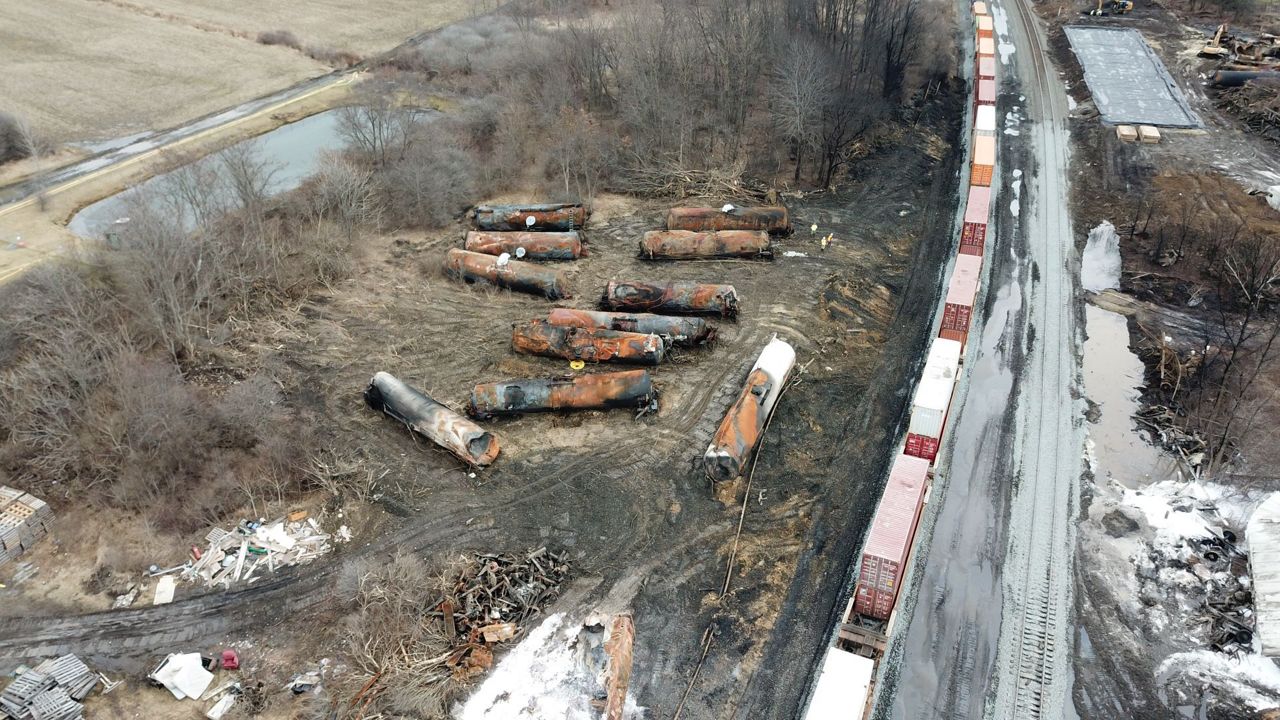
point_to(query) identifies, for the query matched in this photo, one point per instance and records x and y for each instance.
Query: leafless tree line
(96, 391)
(668, 96)
(1216, 395)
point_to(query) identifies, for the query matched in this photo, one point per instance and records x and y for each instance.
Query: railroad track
(1033, 658)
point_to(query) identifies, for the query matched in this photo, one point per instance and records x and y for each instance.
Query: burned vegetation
(260, 319)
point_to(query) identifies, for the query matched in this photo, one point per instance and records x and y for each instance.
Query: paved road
(987, 632)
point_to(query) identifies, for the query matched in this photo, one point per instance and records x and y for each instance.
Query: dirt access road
(988, 619)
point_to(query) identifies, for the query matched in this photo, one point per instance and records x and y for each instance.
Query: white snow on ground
(794, 253)
(1015, 205)
(1252, 678)
(1100, 262)
(1012, 120)
(1001, 21)
(1180, 511)
(543, 678)
(1071, 103)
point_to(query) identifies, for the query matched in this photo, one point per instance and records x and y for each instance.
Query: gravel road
(985, 632)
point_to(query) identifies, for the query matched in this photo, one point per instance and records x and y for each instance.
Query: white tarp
(944, 353)
(841, 692)
(929, 406)
(1263, 536)
(184, 675)
(165, 587)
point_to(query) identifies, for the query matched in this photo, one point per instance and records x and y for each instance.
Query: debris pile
(24, 519)
(238, 554)
(1257, 104)
(492, 599)
(50, 691)
(1168, 434)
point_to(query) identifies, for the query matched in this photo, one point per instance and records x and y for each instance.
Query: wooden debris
(24, 520)
(50, 691)
(234, 556)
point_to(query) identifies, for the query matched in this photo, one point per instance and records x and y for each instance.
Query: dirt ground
(1209, 171)
(626, 498)
(81, 70)
(364, 28)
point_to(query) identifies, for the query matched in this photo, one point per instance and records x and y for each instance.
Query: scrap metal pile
(1248, 78)
(50, 691)
(491, 601)
(240, 554)
(640, 322)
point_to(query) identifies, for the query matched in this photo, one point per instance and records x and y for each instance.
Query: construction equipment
(1114, 7)
(1214, 47)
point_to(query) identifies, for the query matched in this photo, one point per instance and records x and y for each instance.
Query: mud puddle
(1113, 375)
(293, 152)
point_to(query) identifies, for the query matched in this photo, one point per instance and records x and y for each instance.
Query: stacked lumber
(237, 555)
(51, 691)
(24, 520)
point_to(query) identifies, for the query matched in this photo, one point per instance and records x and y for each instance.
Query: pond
(293, 152)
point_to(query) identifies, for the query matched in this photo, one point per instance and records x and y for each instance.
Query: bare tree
(799, 90)
(377, 125)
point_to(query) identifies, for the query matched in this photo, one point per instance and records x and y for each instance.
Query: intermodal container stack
(886, 553)
(957, 312)
(933, 398)
(884, 557)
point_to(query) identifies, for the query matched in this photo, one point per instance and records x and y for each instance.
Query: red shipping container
(986, 67)
(978, 209)
(986, 47)
(987, 92)
(961, 292)
(921, 446)
(973, 238)
(884, 556)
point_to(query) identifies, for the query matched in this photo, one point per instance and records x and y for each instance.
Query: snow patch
(1100, 263)
(794, 253)
(1015, 205)
(1071, 102)
(1252, 678)
(543, 678)
(1000, 19)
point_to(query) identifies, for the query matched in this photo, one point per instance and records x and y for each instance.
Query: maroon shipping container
(922, 446)
(978, 208)
(884, 557)
(973, 238)
(958, 310)
(987, 92)
(986, 67)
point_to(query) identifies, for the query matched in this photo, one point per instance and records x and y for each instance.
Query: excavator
(1114, 7)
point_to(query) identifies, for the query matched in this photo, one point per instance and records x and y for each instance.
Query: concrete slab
(1128, 81)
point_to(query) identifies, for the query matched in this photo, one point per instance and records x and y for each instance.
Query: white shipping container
(944, 353)
(841, 691)
(929, 406)
(986, 119)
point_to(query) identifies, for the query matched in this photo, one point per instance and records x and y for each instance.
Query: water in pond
(1113, 375)
(292, 152)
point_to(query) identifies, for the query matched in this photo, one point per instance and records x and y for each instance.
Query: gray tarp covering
(1128, 82)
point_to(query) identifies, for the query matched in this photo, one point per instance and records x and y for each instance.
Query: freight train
(846, 681)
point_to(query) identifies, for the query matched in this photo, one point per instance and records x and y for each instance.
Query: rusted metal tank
(631, 389)
(739, 433)
(772, 219)
(512, 274)
(675, 330)
(538, 337)
(675, 297)
(543, 216)
(690, 245)
(451, 431)
(527, 245)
